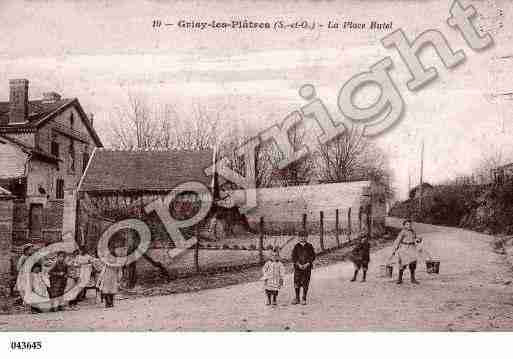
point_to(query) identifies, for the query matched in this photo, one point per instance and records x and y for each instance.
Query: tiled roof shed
(144, 171)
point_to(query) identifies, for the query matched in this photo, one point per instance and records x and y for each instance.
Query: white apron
(405, 248)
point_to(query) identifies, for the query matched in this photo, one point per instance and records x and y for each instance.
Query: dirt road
(473, 292)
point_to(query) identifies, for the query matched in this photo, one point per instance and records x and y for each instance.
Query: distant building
(502, 174)
(45, 146)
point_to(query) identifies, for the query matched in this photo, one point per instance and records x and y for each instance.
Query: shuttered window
(59, 189)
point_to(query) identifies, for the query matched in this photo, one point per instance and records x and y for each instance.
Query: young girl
(108, 283)
(20, 285)
(406, 252)
(84, 268)
(58, 279)
(273, 273)
(39, 285)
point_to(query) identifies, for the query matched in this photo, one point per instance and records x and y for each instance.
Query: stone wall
(283, 207)
(51, 222)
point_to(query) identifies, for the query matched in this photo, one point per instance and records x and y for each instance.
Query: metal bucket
(386, 271)
(433, 266)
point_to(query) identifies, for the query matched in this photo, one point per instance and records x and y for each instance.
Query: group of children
(303, 256)
(53, 279)
(79, 269)
(406, 250)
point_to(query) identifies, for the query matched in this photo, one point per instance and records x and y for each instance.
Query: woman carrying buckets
(406, 251)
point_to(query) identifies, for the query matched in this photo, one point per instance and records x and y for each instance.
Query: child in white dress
(273, 277)
(39, 285)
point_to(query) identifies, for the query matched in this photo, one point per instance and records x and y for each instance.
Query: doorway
(35, 222)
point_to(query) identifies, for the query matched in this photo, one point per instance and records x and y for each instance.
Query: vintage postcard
(256, 166)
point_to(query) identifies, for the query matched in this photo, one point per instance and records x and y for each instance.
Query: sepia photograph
(294, 166)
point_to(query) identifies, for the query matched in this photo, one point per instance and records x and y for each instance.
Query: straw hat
(26, 246)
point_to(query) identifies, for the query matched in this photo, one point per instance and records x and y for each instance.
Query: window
(72, 157)
(71, 120)
(85, 160)
(54, 148)
(59, 189)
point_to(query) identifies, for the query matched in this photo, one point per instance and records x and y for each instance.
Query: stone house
(45, 146)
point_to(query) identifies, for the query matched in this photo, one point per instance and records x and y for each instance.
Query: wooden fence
(232, 254)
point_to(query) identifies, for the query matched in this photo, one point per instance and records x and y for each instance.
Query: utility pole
(421, 175)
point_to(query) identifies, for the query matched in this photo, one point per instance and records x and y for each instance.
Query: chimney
(50, 97)
(18, 101)
(91, 119)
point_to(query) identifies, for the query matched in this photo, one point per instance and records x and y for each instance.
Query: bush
(235, 246)
(226, 246)
(481, 208)
(252, 247)
(444, 205)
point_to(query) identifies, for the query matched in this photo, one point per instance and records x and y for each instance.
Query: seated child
(273, 273)
(39, 285)
(20, 285)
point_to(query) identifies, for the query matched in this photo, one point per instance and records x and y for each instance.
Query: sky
(99, 51)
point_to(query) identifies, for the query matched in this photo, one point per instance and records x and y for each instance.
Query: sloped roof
(48, 157)
(4, 192)
(37, 109)
(135, 171)
(508, 165)
(41, 111)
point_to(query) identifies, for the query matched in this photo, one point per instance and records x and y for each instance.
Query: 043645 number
(21, 345)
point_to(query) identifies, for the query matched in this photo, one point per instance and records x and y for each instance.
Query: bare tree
(339, 158)
(142, 125)
(199, 133)
(351, 157)
(374, 166)
(264, 155)
(482, 173)
(299, 172)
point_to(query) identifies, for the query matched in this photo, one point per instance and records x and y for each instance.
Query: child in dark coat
(360, 256)
(58, 280)
(303, 256)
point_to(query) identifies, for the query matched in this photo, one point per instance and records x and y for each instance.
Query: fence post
(349, 224)
(322, 231)
(304, 223)
(196, 251)
(336, 227)
(369, 221)
(261, 242)
(360, 219)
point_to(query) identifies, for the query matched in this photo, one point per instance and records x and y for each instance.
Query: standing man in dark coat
(303, 256)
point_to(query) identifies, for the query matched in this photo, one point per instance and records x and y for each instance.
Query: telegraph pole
(421, 174)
